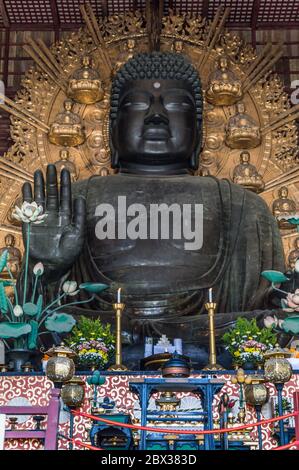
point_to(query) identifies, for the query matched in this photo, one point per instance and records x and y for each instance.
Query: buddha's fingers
(80, 215)
(27, 192)
(52, 202)
(65, 193)
(39, 188)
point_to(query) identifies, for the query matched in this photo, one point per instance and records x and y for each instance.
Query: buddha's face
(245, 157)
(156, 123)
(9, 240)
(283, 192)
(68, 105)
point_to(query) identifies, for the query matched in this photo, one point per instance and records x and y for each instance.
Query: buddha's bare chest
(152, 227)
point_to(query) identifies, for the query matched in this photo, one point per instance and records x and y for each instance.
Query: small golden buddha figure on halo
(242, 131)
(245, 174)
(224, 88)
(14, 259)
(67, 129)
(208, 164)
(12, 221)
(126, 54)
(65, 162)
(85, 85)
(177, 46)
(283, 207)
(294, 254)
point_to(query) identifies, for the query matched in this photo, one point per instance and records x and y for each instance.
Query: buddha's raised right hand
(58, 240)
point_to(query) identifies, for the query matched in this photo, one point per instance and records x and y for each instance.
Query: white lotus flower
(280, 323)
(18, 311)
(70, 288)
(38, 269)
(269, 321)
(29, 212)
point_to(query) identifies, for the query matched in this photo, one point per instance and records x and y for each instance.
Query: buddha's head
(283, 192)
(68, 105)
(86, 61)
(223, 64)
(245, 157)
(156, 114)
(9, 240)
(241, 107)
(64, 154)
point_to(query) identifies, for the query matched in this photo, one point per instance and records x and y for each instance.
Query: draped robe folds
(162, 282)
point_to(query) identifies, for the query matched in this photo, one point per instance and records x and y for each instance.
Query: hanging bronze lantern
(60, 366)
(73, 392)
(277, 368)
(256, 392)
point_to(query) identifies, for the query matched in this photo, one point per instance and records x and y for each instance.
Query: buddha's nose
(157, 114)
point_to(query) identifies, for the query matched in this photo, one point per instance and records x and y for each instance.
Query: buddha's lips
(156, 132)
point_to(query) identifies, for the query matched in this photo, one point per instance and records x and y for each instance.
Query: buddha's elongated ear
(113, 150)
(194, 159)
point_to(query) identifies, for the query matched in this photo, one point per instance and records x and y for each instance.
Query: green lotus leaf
(3, 260)
(291, 325)
(293, 220)
(274, 276)
(3, 299)
(60, 323)
(14, 329)
(32, 337)
(93, 287)
(30, 309)
(8, 283)
(39, 305)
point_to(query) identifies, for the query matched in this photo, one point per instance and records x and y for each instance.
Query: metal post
(71, 433)
(144, 397)
(279, 388)
(296, 418)
(53, 420)
(258, 409)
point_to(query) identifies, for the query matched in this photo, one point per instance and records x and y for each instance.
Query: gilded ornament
(67, 129)
(85, 85)
(242, 132)
(246, 174)
(294, 254)
(283, 207)
(224, 88)
(64, 162)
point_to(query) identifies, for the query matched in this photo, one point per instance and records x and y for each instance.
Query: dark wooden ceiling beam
(154, 14)
(104, 8)
(205, 8)
(4, 14)
(56, 19)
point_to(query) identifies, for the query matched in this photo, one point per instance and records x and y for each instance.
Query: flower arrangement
(93, 343)
(26, 318)
(246, 342)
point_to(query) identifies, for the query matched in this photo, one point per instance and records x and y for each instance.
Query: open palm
(58, 241)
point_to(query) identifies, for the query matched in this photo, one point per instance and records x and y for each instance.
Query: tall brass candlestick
(118, 308)
(212, 365)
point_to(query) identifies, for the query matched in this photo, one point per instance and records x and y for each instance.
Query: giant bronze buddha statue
(155, 132)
